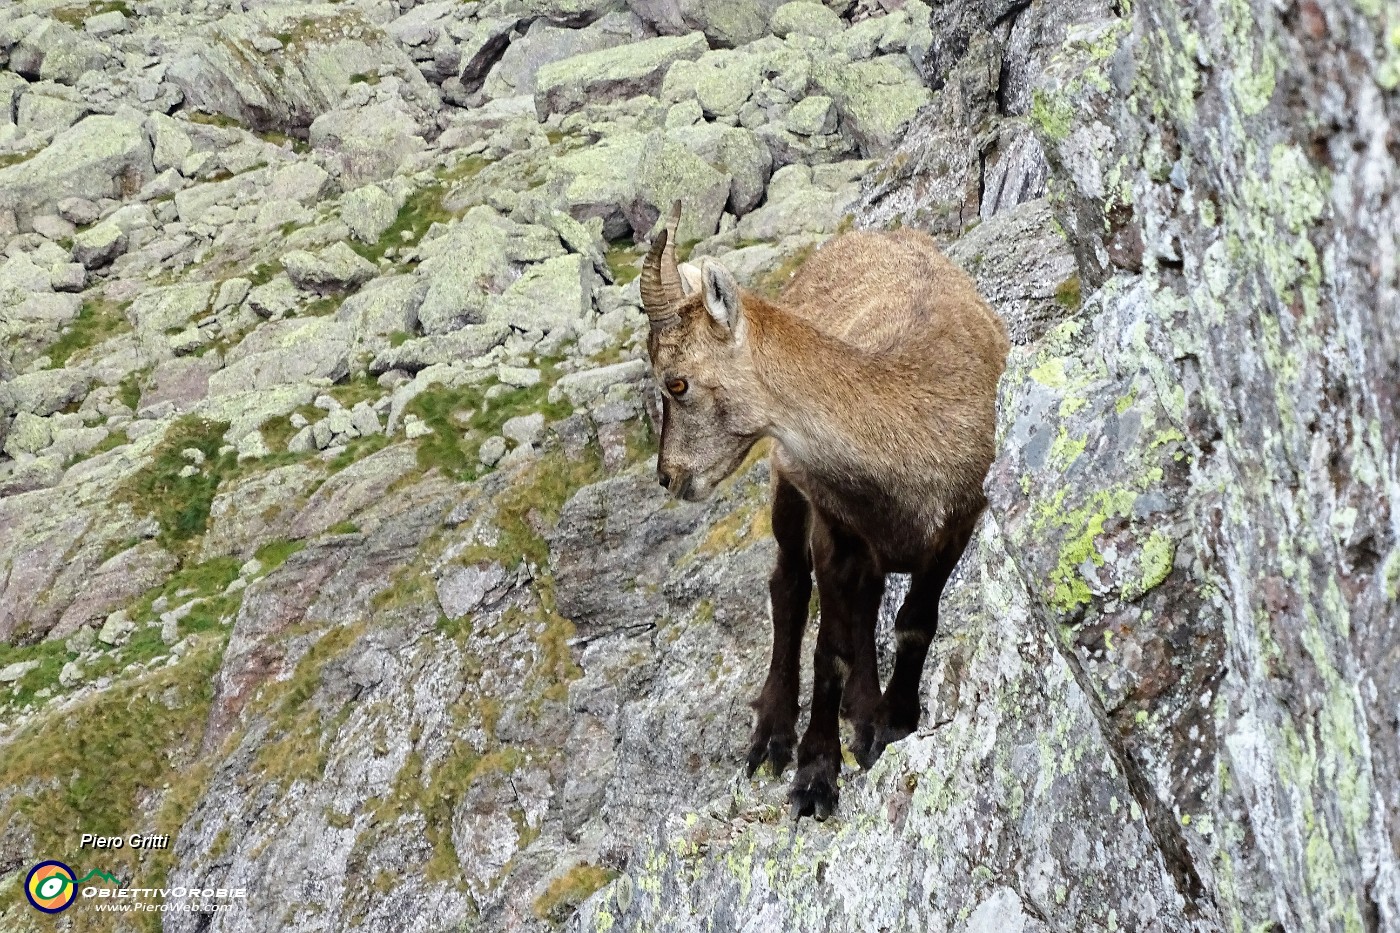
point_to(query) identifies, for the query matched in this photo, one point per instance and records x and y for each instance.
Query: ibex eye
(677, 387)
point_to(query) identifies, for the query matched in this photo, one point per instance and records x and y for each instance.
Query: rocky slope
(329, 542)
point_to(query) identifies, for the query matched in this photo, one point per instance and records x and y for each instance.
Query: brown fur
(875, 372)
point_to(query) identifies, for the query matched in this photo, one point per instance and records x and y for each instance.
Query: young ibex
(875, 373)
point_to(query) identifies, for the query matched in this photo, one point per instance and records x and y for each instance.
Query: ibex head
(701, 358)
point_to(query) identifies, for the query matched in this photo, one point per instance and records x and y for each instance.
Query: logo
(51, 887)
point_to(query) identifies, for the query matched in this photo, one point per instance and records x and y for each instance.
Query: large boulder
(463, 269)
(727, 23)
(370, 142)
(100, 157)
(286, 352)
(631, 179)
(544, 43)
(336, 267)
(875, 98)
(612, 74)
(550, 295)
(282, 69)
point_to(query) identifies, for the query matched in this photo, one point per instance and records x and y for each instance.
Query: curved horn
(661, 276)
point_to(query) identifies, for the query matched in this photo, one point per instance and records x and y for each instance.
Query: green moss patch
(565, 893)
(453, 445)
(179, 504)
(116, 764)
(96, 322)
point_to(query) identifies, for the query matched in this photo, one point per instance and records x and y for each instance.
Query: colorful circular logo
(50, 887)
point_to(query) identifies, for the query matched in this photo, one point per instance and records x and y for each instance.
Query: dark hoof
(814, 791)
(871, 741)
(774, 749)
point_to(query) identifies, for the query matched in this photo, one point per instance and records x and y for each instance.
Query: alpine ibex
(875, 373)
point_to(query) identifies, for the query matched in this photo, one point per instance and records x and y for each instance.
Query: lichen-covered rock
(285, 70)
(368, 211)
(100, 157)
(338, 267)
(1023, 266)
(369, 142)
(543, 43)
(628, 181)
(612, 74)
(727, 23)
(285, 352)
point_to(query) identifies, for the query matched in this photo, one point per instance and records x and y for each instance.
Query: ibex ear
(721, 297)
(690, 278)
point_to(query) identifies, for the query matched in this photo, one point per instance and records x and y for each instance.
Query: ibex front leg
(849, 586)
(790, 588)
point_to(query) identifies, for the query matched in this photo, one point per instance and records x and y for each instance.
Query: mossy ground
(569, 890)
(97, 321)
(462, 418)
(422, 209)
(76, 15)
(120, 762)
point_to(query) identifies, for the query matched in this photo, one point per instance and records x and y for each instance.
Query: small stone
(813, 116)
(252, 446)
(105, 24)
(365, 420)
(414, 427)
(79, 211)
(52, 227)
(193, 455)
(68, 277)
(525, 430)
(298, 420)
(116, 629)
(804, 18)
(341, 423)
(71, 675)
(303, 442)
(232, 293)
(13, 672)
(686, 113)
(188, 470)
(99, 245)
(593, 342)
(518, 377)
(492, 450)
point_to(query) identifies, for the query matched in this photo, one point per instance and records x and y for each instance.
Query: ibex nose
(664, 477)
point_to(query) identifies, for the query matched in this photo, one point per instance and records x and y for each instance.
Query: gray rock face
(369, 143)
(1024, 268)
(544, 43)
(285, 352)
(612, 74)
(282, 84)
(726, 22)
(338, 267)
(100, 157)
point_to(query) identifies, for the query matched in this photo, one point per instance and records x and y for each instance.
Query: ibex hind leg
(850, 588)
(897, 714)
(790, 591)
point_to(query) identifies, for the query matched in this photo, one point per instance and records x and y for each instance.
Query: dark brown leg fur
(897, 714)
(849, 587)
(790, 589)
